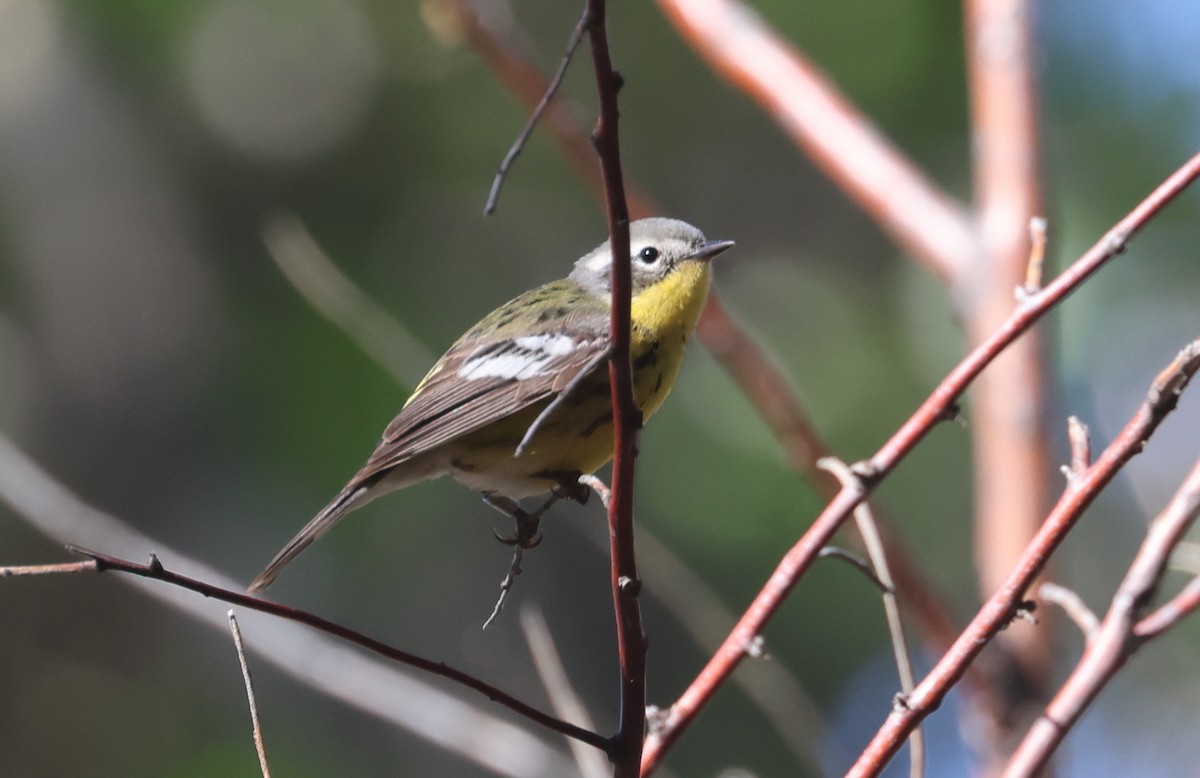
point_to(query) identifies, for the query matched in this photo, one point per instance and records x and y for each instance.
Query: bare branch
(523, 79)
(155, 571)
(1000, 608)
(376, 687)
(1170, 613)
(1114, 640)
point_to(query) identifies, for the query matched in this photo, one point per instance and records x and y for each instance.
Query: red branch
(999, 610)
(154, 570)
(626, 748)
(826, 126)
(1115, 641)
(1170, 613)
(940, 404)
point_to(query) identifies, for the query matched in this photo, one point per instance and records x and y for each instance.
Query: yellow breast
(664, 317)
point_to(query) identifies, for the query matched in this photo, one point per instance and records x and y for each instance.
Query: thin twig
(505, 59)
(563, 698)
(509, 158)
(62, 568)
(1072, 605)
(526, 537)
(1114, 640)
(857, 562)
(259, 747)
(1171, 612)
(867, 529)
(506, 583)
(934, 409)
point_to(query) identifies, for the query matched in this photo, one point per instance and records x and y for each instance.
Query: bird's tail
(349, 498)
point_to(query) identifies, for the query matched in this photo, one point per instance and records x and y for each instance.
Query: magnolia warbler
(484, 413)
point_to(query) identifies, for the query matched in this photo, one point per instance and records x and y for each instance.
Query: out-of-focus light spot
(282, 79)
(29, 40)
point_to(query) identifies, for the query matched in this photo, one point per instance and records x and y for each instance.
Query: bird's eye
(648, 254)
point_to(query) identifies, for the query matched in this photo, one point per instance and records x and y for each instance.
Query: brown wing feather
(449, 406)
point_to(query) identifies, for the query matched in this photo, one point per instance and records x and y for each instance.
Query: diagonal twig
(506, 164)
(259, 746)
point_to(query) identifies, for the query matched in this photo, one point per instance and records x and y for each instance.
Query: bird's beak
(710, 249)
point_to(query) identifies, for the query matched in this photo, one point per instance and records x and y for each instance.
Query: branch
(843, 142)
(999, 610)
(378, 688)
(154, 570)
(1116, 639)
(626, 750)
(1170, 613)
(940, 405)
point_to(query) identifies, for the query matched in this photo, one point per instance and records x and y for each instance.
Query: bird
(518, 406)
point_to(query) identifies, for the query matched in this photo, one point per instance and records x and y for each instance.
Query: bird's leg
(527, 535)
(566, 488)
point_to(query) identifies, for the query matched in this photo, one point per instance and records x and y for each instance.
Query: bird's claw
(522, 539)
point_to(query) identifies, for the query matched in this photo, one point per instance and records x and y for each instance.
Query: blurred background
(156, 361)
